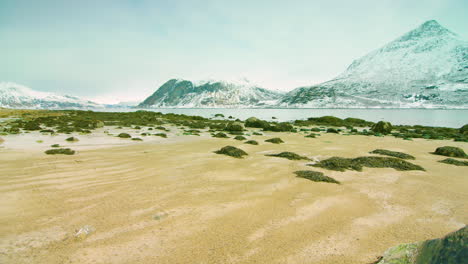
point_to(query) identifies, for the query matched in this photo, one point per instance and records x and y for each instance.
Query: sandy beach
(178, 202)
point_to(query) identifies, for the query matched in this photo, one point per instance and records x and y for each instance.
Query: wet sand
(178, 202)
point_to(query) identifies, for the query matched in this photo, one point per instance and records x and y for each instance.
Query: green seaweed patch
(235, 127)
(288, 155)
(232, 151)
(124, 135)
(251, 142)
(137, 139)
(63, 151)
(240, 138)
(311, 135)
(275, 140)
(220, 135)
(315, 176)
(450, 152)
(332, 130)
(342, 164)
(257, 134)
(382, 127)
(47, 131)
(72, 139)
(454, 162)
(55, 146)
(163, 135)
(395, 154)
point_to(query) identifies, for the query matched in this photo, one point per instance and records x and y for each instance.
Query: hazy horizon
(114, 51)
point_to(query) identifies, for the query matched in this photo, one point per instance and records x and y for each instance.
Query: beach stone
(401, 254)
(235, 126)
(382, 127)
(84, 232)
(160, 216)
(450, 249)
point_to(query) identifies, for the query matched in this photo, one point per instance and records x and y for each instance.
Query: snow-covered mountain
(211, 94)
(13, 95)
(427, 67)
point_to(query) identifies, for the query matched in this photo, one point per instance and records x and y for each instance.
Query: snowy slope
(427, 67)
(211, 94)
(13, 95)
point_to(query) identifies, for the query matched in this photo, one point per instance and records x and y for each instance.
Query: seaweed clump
(342, 164)
(315, 176)
(382, 127)
(450, 152)
(275, 140)
(232, 151)
(454, 162)
(256, 123)
(72, 139)
(220, 135)
(251, 142)
(124, 135)
(234, 127)
(64, 151)
(55, 146)
(163, 135)
(288, 155)
(395, 154)
(240, 138)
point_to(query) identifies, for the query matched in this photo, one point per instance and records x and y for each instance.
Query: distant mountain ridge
(427, 67)
(210, 94)
(13, 95)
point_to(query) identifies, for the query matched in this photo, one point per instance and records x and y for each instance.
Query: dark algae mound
(232, 151)
(395, 154)
(382, 127)
(163, 135)
(275, 140)
(64, 151)
(450, 249)
(55, 146)
(288, 155)
(220, 135)
(315, 176)
(240, 138)
(251, 142)
(454, 162)
(124, 135)
(450, 152)
(342, 164)
(332, 130)
(235, 127)
(72, 139)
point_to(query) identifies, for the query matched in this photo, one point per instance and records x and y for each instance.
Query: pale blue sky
(124, 50)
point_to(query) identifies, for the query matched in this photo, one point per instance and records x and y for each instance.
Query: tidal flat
(174, 200)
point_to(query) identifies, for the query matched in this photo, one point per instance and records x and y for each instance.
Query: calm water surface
(426, 117)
